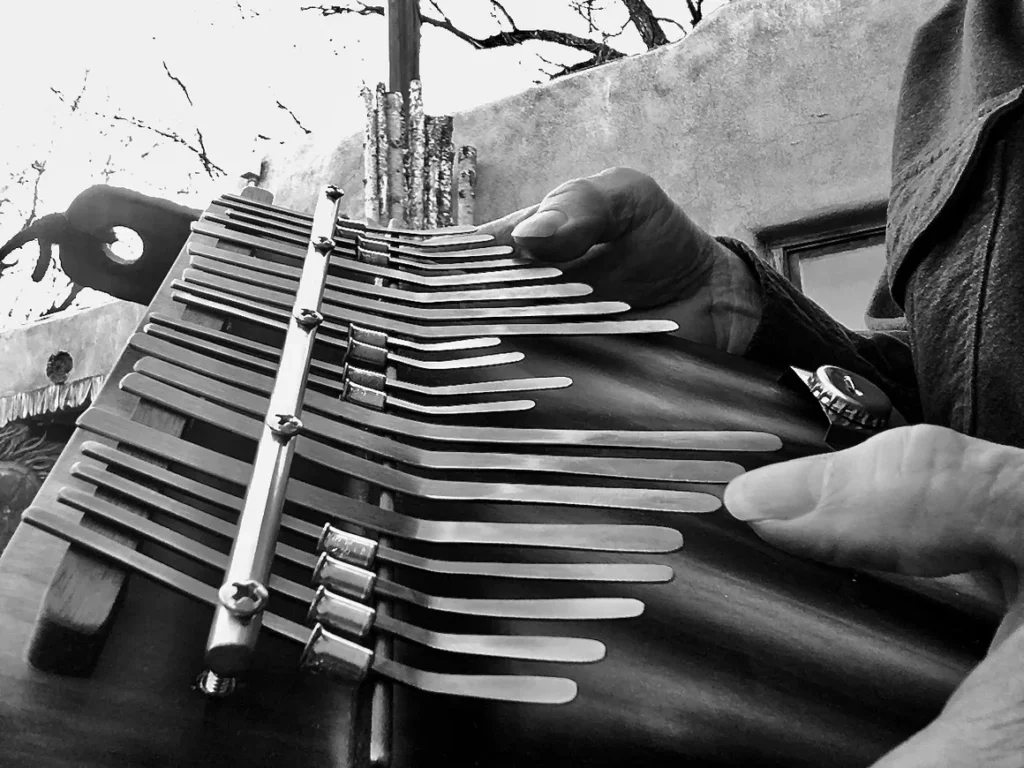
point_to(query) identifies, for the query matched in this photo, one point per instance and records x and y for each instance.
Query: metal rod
(243, 595)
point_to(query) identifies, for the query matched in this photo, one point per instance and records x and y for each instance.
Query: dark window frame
(786, 257)
(784, 246)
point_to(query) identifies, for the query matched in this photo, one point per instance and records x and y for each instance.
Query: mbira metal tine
(323, 651)
(317, 402)
(643, 573)
(264, 358)
(461, 409)
(507, 293)
(212, 393)
(460, 266)
(439, 281)
(569, 650)
(353, 549)
(592, 537)
(344, 579)
(615, 497)
(232, 278)
(360, 584)
(436, 255)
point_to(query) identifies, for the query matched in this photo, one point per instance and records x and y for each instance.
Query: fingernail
(543, 224)
(777, 492)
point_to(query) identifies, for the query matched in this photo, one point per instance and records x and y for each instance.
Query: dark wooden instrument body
(749, 657)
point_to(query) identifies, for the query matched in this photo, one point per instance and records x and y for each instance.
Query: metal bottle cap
(851, 398)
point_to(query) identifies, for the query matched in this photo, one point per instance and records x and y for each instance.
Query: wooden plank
(81, 602)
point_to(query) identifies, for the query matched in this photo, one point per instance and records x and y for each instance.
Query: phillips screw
(324, 244)
(284, 425)
(244, 598)
(308, 318)
(333, 192)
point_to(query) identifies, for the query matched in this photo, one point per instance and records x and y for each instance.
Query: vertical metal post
(403, 18)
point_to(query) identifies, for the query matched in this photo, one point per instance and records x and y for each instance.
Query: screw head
(324, 244)
(243, 598)
(308, 318)
(284, 424)
(333, 192)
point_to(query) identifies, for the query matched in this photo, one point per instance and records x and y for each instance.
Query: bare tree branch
(601, 52)
(646, 23)
(696, 8)
(178, 81)
(497, 5)
(68, 301)
(40, 168)
(682, 29)
(81, 93)
(212, 169)
(292, 114)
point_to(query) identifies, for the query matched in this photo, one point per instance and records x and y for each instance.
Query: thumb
(921, 500)
(585, 212)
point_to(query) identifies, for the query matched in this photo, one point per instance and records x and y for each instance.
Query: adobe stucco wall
(771, 112)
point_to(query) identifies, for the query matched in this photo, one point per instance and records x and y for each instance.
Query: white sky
(237, 60)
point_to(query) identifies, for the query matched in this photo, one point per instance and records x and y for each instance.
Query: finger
(501, 229)
(585, 212)
(919, 500)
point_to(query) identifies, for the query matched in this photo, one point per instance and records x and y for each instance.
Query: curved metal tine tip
(521, 689)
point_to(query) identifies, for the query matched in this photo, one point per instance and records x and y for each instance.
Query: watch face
(855, 389)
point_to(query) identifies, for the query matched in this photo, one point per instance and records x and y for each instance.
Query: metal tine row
(283, 278)
(344, 510)
(269, 244)
(415, 330)
(360, 550)
(339, 285)
(264, 358)
(335, 409)
(324, 651)
(159, 345)
(379, 252)
(438, 237)
(254, 313)
(161, 385)
(423, 252)
(180, 389)
(432, 240)
(340, 578)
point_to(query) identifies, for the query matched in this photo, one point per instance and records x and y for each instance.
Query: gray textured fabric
(955, 239)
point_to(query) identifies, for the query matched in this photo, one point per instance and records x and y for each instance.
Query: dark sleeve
(796, 331)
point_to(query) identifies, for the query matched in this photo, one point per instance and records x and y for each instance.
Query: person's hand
(620, 233)
(921, 501)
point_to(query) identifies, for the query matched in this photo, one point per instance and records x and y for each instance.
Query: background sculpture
(85, 231)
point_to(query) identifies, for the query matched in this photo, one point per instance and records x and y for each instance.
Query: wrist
(736, 301)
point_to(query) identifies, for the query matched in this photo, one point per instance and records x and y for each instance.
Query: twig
(178, 81)
(304, 128)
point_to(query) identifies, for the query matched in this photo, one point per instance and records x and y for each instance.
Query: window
(837, 269)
